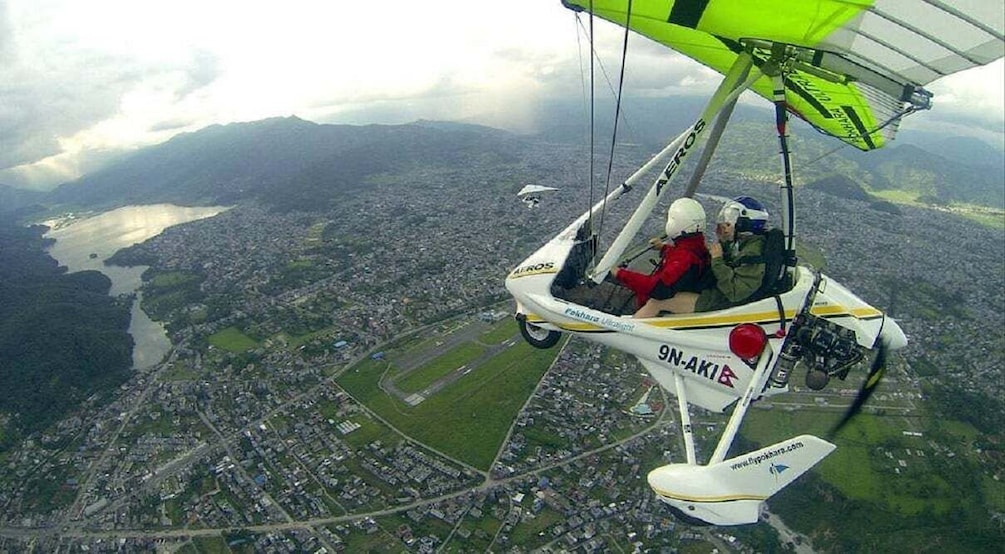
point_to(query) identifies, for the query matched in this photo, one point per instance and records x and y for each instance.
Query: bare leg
(680, 303)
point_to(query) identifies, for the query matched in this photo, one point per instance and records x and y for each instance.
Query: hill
(62, 338)
(291, 163)
(16, 202)
(932, 178)
(930, 169)
(842, 187)
(287, 162)
(966, 150)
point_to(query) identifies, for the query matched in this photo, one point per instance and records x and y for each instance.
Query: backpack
(776, 260)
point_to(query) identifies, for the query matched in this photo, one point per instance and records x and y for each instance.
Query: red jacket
(681, 268)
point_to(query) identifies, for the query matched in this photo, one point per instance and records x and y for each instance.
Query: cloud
(200, 72)
(973, 98)
(112, 75)
(6, 34)
(971, 103)
(43, 102)
(61, 80)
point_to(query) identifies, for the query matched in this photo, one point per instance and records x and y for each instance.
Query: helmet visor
(728, 214)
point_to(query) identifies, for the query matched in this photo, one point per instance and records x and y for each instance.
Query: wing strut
(730, 88)
(710, 146)
(754, 389)
(687, 432)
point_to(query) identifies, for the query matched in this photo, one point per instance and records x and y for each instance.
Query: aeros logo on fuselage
(532, 269)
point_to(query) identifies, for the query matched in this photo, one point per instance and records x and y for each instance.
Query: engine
(824, 348)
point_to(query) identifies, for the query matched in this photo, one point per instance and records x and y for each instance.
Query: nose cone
(892, 335)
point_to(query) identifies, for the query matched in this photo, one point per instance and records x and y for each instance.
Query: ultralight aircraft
(531, 194)
(852, 70)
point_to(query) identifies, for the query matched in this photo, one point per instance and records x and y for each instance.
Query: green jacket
(734, 281)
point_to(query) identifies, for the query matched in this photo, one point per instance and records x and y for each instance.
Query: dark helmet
(745, 213)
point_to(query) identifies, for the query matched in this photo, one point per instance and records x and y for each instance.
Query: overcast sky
(83, 80)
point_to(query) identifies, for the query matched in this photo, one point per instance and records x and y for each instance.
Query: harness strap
(781, 312)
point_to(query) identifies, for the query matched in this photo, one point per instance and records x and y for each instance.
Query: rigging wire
(625, 120)
(901, 114)
(895, 117)
(620, 116)
(617, 114)
(589, 207)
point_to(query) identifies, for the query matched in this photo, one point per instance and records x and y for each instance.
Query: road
(77, 530)
(799, 542)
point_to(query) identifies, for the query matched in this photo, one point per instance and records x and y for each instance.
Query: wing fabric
(860, 62)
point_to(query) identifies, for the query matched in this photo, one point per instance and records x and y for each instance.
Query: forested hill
(751, 148)
(933, 169)
(62, 338)
(287, 162)
(16, 202)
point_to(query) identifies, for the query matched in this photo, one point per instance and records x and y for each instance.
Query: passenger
(684, 260)
(740, 227)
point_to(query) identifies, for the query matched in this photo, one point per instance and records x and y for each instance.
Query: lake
(85, 242)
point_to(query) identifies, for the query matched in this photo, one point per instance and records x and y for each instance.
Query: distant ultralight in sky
(83, 81)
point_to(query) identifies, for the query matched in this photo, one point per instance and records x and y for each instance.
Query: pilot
(684, 260)
(740, 228)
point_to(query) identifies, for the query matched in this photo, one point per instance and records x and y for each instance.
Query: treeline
(976, 408)
(841, 524)
(62, 338)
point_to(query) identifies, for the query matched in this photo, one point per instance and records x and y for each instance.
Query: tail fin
(772, 468)
(730, 492)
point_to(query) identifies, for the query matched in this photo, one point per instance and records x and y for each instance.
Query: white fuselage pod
(689, 355)
(693, 345)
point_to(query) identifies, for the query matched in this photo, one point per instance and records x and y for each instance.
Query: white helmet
(746, 214)
(685, 216)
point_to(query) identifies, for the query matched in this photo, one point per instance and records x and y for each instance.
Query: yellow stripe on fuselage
(686, 321)
(691, 321)
(584, 327)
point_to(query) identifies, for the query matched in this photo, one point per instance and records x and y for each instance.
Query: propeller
(871, 382)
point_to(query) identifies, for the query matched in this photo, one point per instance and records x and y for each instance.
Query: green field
(866, 465)
(469, 418)
(500, 332)
(232, 339)
(896, 196)
(172, 279)
(208, 545)
(294, 342)
(529, 532)
(992, 220)
(181, 371)
(418, 379)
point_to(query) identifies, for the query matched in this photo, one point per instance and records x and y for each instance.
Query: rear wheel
(538, 337)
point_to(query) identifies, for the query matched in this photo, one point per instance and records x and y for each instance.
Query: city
(266, 447)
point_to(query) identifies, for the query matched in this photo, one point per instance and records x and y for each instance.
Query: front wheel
(538, 337)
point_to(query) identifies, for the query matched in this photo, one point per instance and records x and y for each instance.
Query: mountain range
(286, 162)
(291, 163)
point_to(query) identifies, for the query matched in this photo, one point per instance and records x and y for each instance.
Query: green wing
(861, 62)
